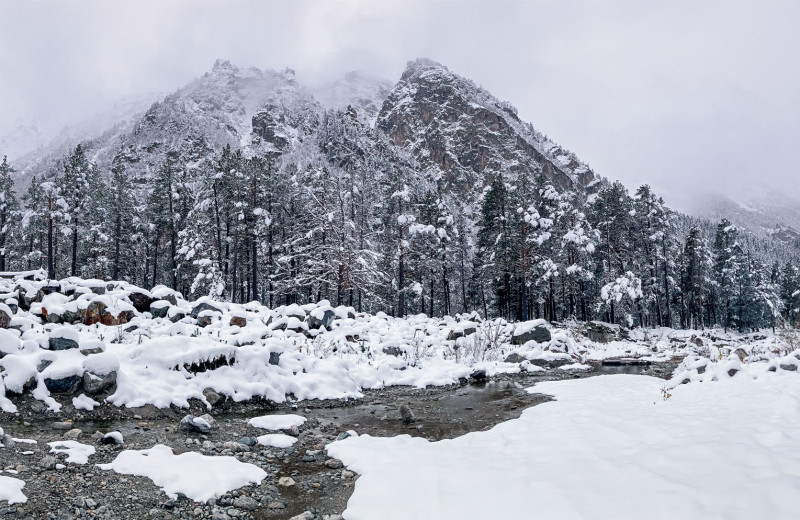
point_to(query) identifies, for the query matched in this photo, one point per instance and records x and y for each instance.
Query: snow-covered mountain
(763, 211)
(448, 126)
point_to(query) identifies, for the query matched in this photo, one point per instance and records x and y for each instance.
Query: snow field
(608, 447)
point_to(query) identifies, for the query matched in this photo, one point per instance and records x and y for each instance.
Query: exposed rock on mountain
(451, 125)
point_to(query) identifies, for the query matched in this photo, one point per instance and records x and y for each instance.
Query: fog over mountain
(687, 97)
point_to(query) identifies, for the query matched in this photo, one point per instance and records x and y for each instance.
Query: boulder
(602, 332)
(141, 300)
(205, 318)
(63, 385)
(274, 358)
(321, 318)
(100, 372)
(5, 316)
(212, 397)
(92, 314)
(514, 358)
(238, 321)
(175, 314)
(531, 331)
(203, 424)
(121, 318)
(63, 339)
(95, 384)
(71, 315)
(203, 306)
(479, 376)
(160, 308)
(13, 305)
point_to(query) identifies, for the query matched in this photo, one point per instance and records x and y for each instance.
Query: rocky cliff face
(453, 127)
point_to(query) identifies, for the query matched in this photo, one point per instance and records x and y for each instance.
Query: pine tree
(695, 274)
(9, 212)
(74, 188)
(121, 206)
(728, 264)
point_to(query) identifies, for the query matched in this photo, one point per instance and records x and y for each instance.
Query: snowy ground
(116, 344)
(717, 440)
(608, 447)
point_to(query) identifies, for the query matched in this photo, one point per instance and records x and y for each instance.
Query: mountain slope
(451, 125)
(450, 128)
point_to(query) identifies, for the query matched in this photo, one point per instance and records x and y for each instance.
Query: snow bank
(608, 447)
(197, 476)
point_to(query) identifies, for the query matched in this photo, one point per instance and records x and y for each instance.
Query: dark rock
(5, 319)
(601, 332)
(394, 351)
(514, 358)
(62, 343)
(732, 372)
(158, 310)
(95, 384)
(789, 368)
(266, 127)
(454, 335)
(140, 301)
(63, 385)
(112, 438)
(322, 323)
(51, 317)
(538, 334)
(479, 376)
(274, 358)
(71, 317)
(205, 321)
(200, 307)
(177, 316)
(248, 441)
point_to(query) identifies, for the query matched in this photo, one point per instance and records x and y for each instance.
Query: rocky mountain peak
(451, 125)
(421, 65)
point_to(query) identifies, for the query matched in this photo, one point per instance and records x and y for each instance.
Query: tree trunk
(74, 268)
(50, 267)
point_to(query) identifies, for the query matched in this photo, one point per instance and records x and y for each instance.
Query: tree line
(374, 233)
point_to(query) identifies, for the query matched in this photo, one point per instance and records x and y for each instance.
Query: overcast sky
(686, 96)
